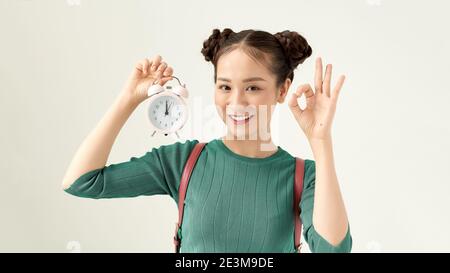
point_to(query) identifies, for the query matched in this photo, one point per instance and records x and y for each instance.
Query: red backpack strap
(188, 167)
(298, 189)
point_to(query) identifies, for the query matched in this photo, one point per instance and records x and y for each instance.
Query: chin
(242, 133)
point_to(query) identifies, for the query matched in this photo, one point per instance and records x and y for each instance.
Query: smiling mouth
(240, 119)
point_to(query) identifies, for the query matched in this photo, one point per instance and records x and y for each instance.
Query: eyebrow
(245, 80)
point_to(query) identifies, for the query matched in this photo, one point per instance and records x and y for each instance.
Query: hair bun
(295, 46)
(213, 43)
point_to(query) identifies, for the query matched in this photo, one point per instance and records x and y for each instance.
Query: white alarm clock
(167, 108)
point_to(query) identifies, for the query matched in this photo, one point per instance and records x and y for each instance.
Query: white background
(62, 63)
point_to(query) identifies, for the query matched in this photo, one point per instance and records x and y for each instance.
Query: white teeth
(239, 118)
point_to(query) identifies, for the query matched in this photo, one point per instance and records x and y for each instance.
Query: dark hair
(281, 52)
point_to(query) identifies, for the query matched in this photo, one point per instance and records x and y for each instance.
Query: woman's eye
(226, 86)
(220, 87)
(256, 88)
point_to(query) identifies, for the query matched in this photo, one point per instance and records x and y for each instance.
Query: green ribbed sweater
(233, 203)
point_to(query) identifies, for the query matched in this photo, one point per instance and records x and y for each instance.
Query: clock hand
(166, 112)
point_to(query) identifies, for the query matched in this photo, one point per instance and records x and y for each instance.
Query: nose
(237, 99)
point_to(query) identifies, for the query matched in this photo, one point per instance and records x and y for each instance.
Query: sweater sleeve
(315, 241)
(156, 172)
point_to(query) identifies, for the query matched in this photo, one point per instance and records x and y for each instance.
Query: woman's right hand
(144, 74)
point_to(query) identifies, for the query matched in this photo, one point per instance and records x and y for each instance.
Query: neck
(251, 148)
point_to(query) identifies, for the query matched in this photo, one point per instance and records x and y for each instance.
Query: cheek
(220, 105)
(264, 102)
(264, 96)
(264, 114)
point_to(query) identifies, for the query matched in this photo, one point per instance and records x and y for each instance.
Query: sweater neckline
(227, 150)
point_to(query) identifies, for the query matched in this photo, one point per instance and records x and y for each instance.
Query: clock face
(167, 113)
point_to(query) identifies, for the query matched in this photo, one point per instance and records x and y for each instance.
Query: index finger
(318, 76)
(155, 61)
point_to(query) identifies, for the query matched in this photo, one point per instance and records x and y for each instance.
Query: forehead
(237, 65)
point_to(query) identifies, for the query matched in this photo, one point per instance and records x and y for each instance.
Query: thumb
(163, 77)
(293, 101)
(162, 80)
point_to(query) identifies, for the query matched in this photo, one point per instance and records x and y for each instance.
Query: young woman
(240, 193)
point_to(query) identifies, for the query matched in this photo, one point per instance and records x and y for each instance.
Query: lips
(240, 119)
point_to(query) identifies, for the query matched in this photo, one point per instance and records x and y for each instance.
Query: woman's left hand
(315, 120)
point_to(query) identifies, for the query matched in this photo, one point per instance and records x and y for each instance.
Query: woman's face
(246, 95)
